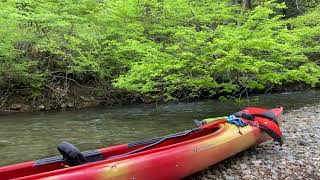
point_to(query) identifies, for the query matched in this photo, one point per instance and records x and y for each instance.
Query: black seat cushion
(71, 155)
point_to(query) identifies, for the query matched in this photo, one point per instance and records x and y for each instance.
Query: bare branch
(66, 78)
(299, 7)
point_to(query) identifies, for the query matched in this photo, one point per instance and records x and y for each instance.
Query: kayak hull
(173, 161)
(191, 158)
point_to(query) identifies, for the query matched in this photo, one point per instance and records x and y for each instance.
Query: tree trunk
(246, 4)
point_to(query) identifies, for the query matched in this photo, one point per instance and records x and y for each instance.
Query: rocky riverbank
(298, 158)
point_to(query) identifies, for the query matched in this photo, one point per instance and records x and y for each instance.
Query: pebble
(243, 166)
(211, 176)
(303, 143)
(230, 178)
(247, 176)
(293, 129)
(298, 158)
(246, 172)
(256, 162)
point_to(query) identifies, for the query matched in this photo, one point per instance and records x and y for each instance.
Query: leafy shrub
(162, 49)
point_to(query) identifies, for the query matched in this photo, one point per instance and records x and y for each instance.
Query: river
(27, 136)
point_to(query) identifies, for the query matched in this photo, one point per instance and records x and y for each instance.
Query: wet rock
(41, 107)
(70, 105)
(84, 98)
(16, 107)
(63, 106)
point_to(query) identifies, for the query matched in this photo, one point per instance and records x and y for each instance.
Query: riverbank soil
(61, 98)
(298, 158)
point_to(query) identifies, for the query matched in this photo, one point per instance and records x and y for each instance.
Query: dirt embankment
(60, 97)
(298, 158)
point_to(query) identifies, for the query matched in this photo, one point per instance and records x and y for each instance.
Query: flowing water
(27, 136)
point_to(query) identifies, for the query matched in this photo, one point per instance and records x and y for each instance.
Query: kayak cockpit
(71, 156)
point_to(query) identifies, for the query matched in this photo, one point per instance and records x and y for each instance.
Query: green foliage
(161, 49)
(252, 51)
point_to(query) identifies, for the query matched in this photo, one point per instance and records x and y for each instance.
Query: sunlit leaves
(161, 49)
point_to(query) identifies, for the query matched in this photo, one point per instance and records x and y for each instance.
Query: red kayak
(169, 157)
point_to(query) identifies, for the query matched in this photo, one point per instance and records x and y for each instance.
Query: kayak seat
(71, 155)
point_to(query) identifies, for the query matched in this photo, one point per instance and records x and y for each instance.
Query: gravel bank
(298, 158)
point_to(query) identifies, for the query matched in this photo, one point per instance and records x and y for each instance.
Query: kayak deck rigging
(117, 152)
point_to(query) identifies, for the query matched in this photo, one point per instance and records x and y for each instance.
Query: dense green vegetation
(159, 49)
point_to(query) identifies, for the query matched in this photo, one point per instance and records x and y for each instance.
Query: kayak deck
(109, 154)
